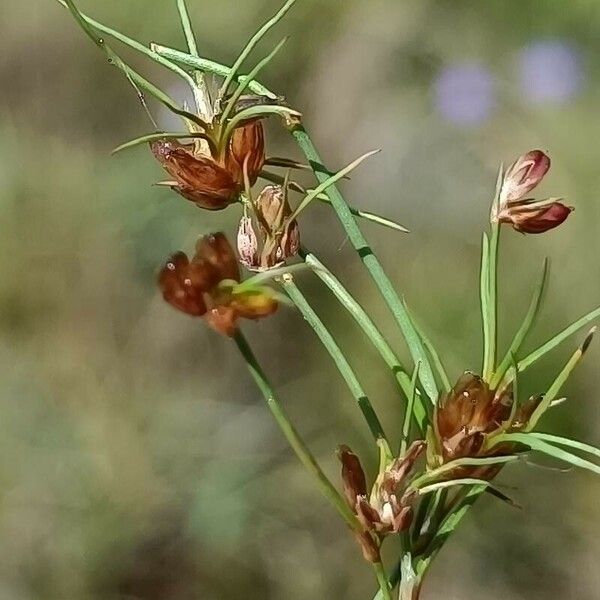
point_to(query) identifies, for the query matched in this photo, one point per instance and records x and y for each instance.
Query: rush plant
(456, 437)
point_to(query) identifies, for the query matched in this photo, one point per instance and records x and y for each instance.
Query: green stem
(370, 330)
(292, 436)
(201, 95)
(493, 301)
(338, 357)
(371, 262)
(211, 66)
(384, 587)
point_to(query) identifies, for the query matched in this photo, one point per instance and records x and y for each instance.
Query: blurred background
(138, 459)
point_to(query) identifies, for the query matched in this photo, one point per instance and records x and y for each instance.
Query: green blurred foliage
(137, 458)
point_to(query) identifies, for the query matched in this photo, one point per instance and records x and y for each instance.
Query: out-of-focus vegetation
(137, 458)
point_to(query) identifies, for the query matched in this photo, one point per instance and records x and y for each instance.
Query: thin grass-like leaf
(200, 90)
(231, 102)
(441, 485)
(561, 441)
(433, 353)
(560, 380)
(552, 343)
(255, 112)
(372, 332)
(135, 45)
(492, 302)
(255, 39)
(461, 462)
(133, 75)
(296, 187)
(408, 413)
(209, 66)
(330, 181)
(161, 135)
(272, 274)
(535, 443)
(524, 329)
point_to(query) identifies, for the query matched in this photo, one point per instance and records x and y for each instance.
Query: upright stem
(200, 91)
(371, 331)
(370, 261)
(338, 357)
(384, 587)
(300, 448)
(493, 299)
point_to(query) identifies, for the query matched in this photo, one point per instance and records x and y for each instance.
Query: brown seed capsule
(197, 177)
(208, 286)
(465, 415)
(247, 145)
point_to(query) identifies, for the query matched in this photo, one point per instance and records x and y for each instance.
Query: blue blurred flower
(464, 93)
(551, 71)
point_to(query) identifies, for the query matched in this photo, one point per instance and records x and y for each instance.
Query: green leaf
(460, 462)
(561, 441)
(131, 74)
(434, 487)
(492, 304)
(244, 85)
(322, 197)
(272, 274)
(535, 443)
(255, 39)
(524, 329)
(408, 413)
(558, 339)
(153, 137)
(209, 66)
(255, 112)
(433, 353)
(560, 380)
(484, 296)
(329, 182)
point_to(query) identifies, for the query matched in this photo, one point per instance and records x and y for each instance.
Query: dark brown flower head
(525, 214)
(275, 238)
(388, 508)
(209, 180)
(208, 286)
(466, 415)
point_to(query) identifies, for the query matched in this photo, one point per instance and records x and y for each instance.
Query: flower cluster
(525, 214)
(388, 508)
(208, 286)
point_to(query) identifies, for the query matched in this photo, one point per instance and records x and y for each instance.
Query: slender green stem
(252, 44)
(371, 331)
(409, 411)
(201, 95)
(300, 448)
(158, 94)
(384, 587)
(338, 357)
(371, 262)
(493, 301)
(210, 66)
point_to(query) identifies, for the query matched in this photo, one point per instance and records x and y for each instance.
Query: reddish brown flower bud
(247, 145)
(524, 175)
(467, 414)
(524, 214)
(535, 217)
(353, 475)
(388, 509)
(208, 286)
(177, 286)
(197, 177)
